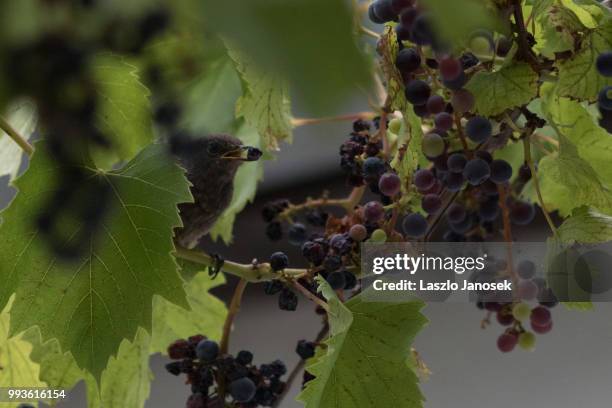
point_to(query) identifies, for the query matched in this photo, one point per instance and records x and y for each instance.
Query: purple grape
(455, 181)
(456, 162)
(476, 171)
(522, 213)
(526, 269)
(450, 68)
(443, 121)
(431, 203)
(527, 290)
(478, 129)
(373, 211)
(435, 104)
(507, 342)
(417, 92)
(540, 316)
(424, 179)
(604, 64)
(463, 101)
(408, 60)
(414, 225)
(389, 184)
(501, 171)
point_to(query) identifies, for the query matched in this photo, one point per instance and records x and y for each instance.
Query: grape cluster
(604, 101)
(516, 315)
(213, 375)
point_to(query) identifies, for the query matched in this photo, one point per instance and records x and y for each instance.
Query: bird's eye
(214, 148)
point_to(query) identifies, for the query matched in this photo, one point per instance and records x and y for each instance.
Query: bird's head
(213, 150)
(226, 147)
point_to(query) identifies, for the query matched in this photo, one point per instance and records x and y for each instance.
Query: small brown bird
(210, 163)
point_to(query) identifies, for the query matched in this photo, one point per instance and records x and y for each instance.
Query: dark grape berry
(399, 5)
(421, 111)
(179, 349)
(506, 342)
(336, 280)
(296, 234)
(469, 60)
(350, 279)
(305, 349)
(489, 210)
(207, 350)
(244, 357)
(522, 213)
(373, 211)
(504, 318)
(424, 179)
(361, 125)
(547, 298)
(402, 31)
(540, 316)
(605, 98)
(196, 400)
(422, 32)
(389, 184)
(408, 60)
(417, 92)
(454, 181)
(484, 155)
(431, 203)
(414, 225)
(456, 162)
(501, 171)
(242, 389)
(313, 252)
(450, 68)
(604, 64)
(278, 261)
(274, 231)
(504, 44)
(435, 104)
(443, 121)
(332, 263)
(272, 287)
(476, 171)
(287, 300)
(174, 367)
(373, 16)
(457, 83)
(478, 129)
(373, 167)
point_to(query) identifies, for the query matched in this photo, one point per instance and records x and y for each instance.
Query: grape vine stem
(297, 122)
(234, 308)
(254, 272)
(17, 138)
(347, 203)
(503, 195)
(296, 285)
(536, 183)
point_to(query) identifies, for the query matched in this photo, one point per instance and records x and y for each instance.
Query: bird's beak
(243, 153)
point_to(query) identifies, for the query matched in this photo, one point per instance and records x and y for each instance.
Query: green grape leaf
(388, 49)
(579, 174)
(16, 367)
(59, 370)
(578, 76)
(368, 354)
(584, 226)
(124, 110)
(512, 85)
(539, 6)
(264, 103)
(92, 304)
(23, 118)
(561, 30)
(126, 382)
(245, 187)
(284, 38)
(210, 100)
(205, 315)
